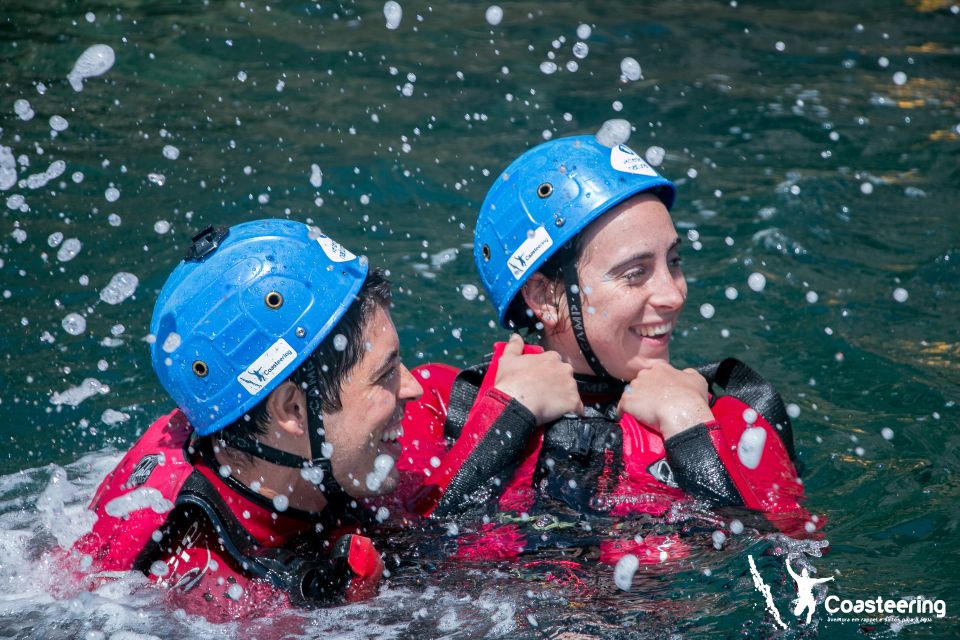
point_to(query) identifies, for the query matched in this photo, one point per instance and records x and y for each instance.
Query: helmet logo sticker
(623, 158)
(528, 252)
(334, 250)
(267, 366)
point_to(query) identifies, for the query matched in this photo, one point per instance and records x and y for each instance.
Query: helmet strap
(571, 281)
(332, 490)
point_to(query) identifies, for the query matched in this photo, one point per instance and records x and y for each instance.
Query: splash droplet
(95, 61)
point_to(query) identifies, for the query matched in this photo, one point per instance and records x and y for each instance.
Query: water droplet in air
(112, 194)
(393, 13)
(757, 281)
(707, 310)
(339, 342)
(887, 433)
(494, 15)
(624, 571)
(121, 286)
(900, 294)
(74, 324)
(69, 250)
(655, 156)
(159, 568)
(316, 176)
(581, 50)
(630, 69)
(170, 152)
(281, 502)
(614, 132)
(95, 61)
(548, 67)
(899, 78)
(58, 123)
(172, 342)
(584, 31)
(470, 291)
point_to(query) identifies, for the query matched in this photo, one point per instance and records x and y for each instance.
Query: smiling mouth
(392, 434)
(654, 331)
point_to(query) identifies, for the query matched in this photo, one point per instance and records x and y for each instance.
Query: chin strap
(568, 262)
(319, 449)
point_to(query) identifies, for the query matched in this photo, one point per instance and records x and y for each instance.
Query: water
(816, 153)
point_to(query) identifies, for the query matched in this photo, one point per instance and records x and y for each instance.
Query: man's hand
(541, 382)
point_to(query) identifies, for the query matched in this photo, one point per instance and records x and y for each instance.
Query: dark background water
(798, 153)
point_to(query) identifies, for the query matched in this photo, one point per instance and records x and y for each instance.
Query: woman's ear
(287, 407)
(540, 294)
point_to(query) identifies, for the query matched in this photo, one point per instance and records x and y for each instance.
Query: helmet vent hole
(200, 369)
(544, 190)
(485, 250)
(274, 300)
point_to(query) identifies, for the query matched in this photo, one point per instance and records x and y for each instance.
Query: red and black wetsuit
(222, 550)
(597, 462)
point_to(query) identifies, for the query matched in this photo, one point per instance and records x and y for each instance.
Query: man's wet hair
(332, 364)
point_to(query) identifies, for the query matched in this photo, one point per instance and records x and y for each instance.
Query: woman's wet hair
(333, 365)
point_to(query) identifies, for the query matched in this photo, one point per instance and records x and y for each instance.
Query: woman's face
(632, 287)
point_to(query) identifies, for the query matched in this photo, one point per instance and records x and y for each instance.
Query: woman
(574, 241)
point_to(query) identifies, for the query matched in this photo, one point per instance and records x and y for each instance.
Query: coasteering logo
(876, 609)
(267, 366)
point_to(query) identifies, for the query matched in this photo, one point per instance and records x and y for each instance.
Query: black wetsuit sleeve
(697, 467)
(491, 445)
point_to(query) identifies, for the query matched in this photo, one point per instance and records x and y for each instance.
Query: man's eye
(634, 274)
(676, 261)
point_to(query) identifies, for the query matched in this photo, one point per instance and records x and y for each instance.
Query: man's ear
(540, 294)
(287, 407)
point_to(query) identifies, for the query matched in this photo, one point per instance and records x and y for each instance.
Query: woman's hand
(541, 382)
(667, 399)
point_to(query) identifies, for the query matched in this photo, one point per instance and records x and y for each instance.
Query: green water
(817, 144)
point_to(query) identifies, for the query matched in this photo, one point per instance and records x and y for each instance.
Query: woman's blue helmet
(243, 310)
(544, 199)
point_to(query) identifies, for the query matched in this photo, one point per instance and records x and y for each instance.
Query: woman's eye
(634, 274)
(676, 261)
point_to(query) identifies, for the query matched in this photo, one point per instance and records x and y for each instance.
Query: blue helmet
(243, 310)
(544, 199)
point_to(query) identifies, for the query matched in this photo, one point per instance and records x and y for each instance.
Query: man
(276, 344)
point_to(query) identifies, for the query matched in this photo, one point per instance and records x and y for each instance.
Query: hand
(541, 382)
(667, 399)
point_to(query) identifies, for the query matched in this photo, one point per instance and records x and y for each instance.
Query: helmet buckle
(206, 242)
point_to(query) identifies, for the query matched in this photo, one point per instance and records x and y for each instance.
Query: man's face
(364, 432)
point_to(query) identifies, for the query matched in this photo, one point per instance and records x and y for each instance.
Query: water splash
(614, 132)
(121, 286)
(393, 13)
(95, 61)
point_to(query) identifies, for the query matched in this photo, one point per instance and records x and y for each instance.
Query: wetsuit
(223, 550)
(597, 463)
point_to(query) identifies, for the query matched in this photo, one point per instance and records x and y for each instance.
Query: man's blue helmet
(544, 199)
(243, 310)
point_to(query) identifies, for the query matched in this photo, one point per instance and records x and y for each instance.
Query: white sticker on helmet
(528, 252)
(334, 250)
(623, 158)
(265, 368)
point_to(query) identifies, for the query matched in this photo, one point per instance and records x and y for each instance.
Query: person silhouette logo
(805, 585)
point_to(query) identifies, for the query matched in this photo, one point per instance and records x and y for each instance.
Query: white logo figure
(805, 586)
